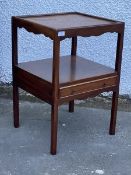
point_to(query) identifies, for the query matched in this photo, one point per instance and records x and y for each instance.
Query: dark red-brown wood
(72, 23)
(15, 86)
(64, 79)
(116, 93)
(73, 67)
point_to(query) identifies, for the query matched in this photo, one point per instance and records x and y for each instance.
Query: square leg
(71, 106)
(16, 105)
(54, 127)
(113, 113)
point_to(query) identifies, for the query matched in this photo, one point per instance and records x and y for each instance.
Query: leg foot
(71, 106)
(54, 124)
(16, 106)
(113, 113)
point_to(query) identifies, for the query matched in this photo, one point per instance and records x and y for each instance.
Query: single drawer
(88, 86)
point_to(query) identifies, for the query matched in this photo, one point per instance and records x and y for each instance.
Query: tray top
(70, 20)
(67, 24)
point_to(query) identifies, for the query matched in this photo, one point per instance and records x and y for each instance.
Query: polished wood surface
(73, 59)
(14, 63)
(65, 78)
(118, 62)
(88, 86)
(67, 24)
(83, 69)
(67, 21)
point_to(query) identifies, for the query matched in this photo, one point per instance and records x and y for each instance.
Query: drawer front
(80, 88)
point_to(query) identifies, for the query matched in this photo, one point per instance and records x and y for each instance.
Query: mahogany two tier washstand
(65, 78)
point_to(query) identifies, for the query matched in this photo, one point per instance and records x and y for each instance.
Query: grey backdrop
(32, 47)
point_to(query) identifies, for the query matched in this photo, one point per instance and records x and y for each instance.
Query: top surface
(67, 21)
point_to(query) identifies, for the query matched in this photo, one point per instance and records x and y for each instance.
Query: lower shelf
(73, 69)
(79, 78)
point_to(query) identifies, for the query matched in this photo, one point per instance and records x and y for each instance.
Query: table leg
(113, 113)
(55, 96)
(73, 67)
(71, 106)
(14, 63)
(54, 125)
(116, 93)
(16, 105)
